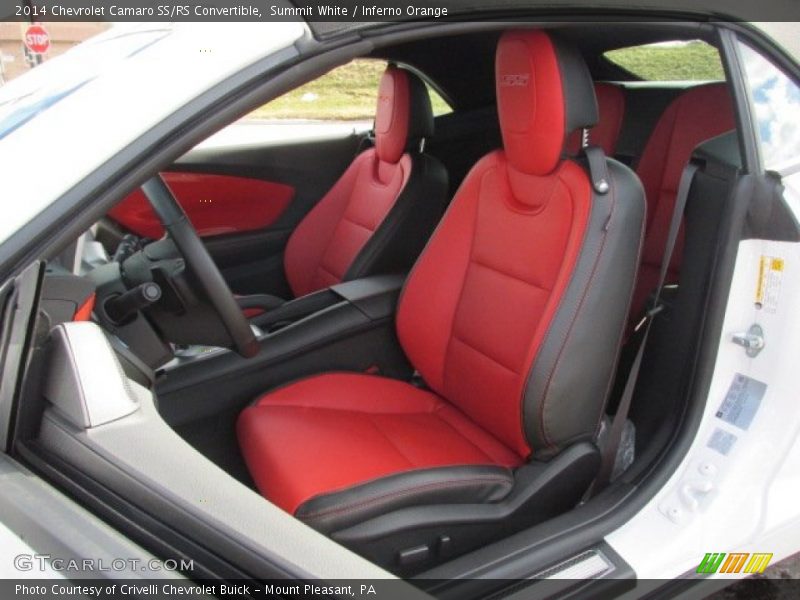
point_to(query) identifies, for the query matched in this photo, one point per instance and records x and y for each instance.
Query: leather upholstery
(698, 114)
(474, 311)
(332, 237)
(531, 101)
(513, 278)
(254, 305)
(329, 432)
(327, 240)
(605, 133)
(439, 485)
(391, 116)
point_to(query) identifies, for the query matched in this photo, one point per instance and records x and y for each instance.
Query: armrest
(294, 310)
(375, 296)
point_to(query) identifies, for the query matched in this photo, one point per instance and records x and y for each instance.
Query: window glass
(776, 109)
(670, 61)
(347, 93)
(23, 99)
(337, 104)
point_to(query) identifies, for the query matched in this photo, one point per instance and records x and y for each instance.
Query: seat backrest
(610, 112)
(383, 207)
(696, 115)
(515, 309)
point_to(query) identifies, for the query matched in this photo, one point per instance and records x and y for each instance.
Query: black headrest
(579, 97)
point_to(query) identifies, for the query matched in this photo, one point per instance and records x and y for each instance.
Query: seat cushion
(329, 432)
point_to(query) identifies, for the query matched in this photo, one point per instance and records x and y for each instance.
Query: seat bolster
(576, 361)
(471, 484)
(399, 239)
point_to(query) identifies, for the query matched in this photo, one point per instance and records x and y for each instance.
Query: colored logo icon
(734, 562)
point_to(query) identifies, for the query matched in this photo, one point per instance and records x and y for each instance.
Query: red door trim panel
(215, 204)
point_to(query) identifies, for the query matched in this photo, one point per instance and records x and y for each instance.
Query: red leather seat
(379, 214)
(611, 111)
(332, 431)
(513, 316)
(698, 114)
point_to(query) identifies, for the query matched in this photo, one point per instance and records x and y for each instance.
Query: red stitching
(399, 494)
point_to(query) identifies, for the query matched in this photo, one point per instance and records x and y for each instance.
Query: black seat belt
(609, 452)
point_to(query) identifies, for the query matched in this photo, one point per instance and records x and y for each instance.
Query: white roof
(131, 77)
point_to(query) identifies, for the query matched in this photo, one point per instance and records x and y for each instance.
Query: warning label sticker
(721, 441)
(742, 401)
(770, 279)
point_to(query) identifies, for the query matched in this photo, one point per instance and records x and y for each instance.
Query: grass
(348, 93)
(694, 61)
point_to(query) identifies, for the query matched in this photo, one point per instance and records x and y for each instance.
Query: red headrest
(544, 92)
(391, 116)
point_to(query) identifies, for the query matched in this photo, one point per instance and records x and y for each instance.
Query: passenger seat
(700, 113)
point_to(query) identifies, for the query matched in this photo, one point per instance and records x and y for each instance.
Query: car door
(248, 186)
(742, 463)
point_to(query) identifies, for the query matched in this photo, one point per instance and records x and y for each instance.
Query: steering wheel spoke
(212, 286)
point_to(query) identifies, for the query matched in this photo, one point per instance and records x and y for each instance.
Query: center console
(349, 327)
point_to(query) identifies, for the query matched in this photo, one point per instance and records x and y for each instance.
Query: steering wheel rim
(205, 270)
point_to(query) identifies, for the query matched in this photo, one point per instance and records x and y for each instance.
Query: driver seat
(513, 316)
(379, 214)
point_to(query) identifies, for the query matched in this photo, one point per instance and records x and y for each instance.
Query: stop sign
(37, 39)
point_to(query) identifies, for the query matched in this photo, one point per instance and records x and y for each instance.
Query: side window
(670, 61)
(776, 109)
(347, 93)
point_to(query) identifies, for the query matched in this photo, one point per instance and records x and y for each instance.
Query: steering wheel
(202, 266)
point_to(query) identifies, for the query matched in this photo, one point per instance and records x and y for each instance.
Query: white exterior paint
(747, 507)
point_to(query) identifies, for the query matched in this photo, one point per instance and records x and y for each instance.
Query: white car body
(76, 135)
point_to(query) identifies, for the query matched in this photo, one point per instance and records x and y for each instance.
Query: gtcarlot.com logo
(45, 562)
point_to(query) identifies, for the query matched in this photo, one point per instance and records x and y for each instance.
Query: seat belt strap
(609, 453)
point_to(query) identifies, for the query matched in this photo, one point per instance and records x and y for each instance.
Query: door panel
(215, 204)
(252, 261)
(246, 195)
